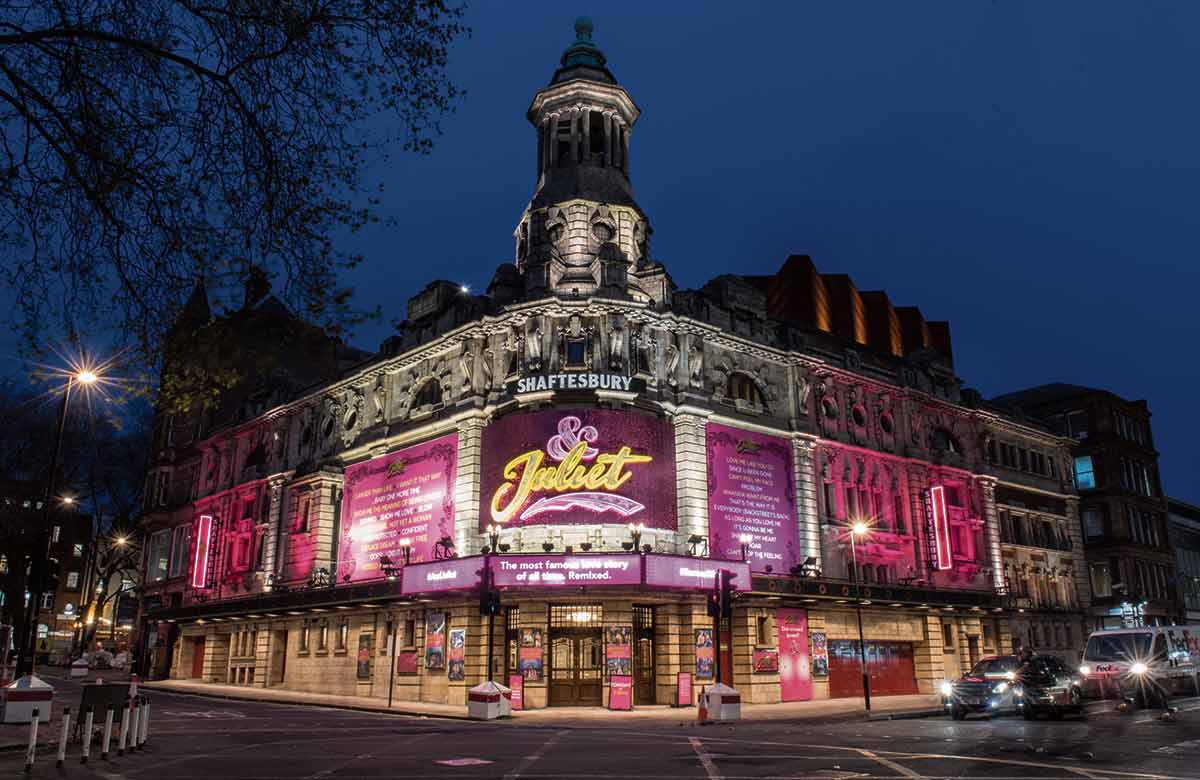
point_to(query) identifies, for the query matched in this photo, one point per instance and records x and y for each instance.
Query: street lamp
(87, 377)
(860, 529)
(745, 542)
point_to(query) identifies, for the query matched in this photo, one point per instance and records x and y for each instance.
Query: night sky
(1027, 171)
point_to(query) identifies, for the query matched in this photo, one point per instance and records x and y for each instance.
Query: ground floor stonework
(612, 649)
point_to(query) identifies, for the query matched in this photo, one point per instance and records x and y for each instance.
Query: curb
(833, 718)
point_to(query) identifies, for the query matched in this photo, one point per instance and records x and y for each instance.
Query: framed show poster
(529, 655)
(766, 660)
(618, 650)
(456, 669)
(435, 640)
(683, 689)
(704, 653)
(820, 654)
(366, 643)
(406, 662)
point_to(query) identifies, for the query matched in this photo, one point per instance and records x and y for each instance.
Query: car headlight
(946, 688)
(1085, 670)
(1001, 688)
(1138, 668)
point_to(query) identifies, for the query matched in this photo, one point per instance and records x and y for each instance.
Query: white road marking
(533, 757)
(706, 761)
(1178, 746)
(892, 765)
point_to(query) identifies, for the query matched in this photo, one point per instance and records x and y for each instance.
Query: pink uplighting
(200, 561)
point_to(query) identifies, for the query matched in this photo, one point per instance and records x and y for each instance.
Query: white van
(1125, 658)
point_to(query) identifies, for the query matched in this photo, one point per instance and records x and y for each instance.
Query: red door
(891, 666)
(198, 658)
(726, 657)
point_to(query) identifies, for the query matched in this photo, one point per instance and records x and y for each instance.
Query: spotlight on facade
(548, 546)
(406, 549)
(585, 546)
(389, 569)
(744, 541)
(635, 534)
(505, 548)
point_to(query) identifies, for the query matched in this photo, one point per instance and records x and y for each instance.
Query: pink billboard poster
(516, 685)
(570, 467)
(620, 692)
(751, 492)
(440, 576)
(569, 570)
(402, 498)
(795, 678)
(683, 573)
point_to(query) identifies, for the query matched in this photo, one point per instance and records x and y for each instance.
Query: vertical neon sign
(200, 559)
(939, 527)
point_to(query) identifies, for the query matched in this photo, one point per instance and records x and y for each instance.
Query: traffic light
(489, 597)
(714, 600)
(726, 595)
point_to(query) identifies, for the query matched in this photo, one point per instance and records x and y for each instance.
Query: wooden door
(643, 670)
(198, 658)
(576, 669)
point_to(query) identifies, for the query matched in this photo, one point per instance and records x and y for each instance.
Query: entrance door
(279, 641)
(643, 655)
(198, 658)
(576, 666)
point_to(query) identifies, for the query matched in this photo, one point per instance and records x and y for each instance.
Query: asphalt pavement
(198, 737)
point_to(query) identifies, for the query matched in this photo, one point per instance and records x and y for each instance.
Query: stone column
(277, 488)
(608, 125)
(547, 138)
(691, 475)
(616, 144)
(625, 150)
(574, 114)
(466, 485)
(586, 119)
(992, 529)
(808, 522)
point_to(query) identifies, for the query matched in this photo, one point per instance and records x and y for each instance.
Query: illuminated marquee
(203, 536)
(937, 528)
(578, 466)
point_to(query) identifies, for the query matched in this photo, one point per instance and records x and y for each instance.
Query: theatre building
(597, 444)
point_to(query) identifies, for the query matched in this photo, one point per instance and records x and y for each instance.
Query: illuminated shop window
(1085, 478)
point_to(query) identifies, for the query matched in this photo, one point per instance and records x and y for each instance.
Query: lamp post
(860, 529)
(42, 541)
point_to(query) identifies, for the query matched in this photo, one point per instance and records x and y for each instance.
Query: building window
(323, 636)
(1085, 478)
(158, 556)
(343, 634)
(181, 543)
(304, 637)
(743, 388)
(57, 532)
(77, 550)
(410, 632)
(73, 580)
(430, 394)
(3, 564)
(48, 601)
(947, 638)
(1077, 427)
(1101, 580)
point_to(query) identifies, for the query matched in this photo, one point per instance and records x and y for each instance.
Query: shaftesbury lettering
(532, 384)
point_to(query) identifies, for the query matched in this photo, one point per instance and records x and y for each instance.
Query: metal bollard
(124, 739)
(108, 719)
(62, 740)
(32, 751)
(135, 711)
(144, 722)
(87, 735)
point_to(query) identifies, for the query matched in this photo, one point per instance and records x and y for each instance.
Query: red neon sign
(940, 522)
(200, 559)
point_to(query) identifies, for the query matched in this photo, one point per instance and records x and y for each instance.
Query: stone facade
(862, 394)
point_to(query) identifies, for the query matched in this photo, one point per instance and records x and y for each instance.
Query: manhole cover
(462, 761)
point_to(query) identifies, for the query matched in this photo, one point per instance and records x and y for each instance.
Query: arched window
(944, 440)
(429, 394)
(743, 388)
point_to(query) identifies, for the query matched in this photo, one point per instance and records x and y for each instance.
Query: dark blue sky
(1027, 171)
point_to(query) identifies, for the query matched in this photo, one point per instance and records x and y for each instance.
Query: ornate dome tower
(583, 233)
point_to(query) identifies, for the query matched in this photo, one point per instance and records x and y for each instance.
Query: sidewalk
(827, 709)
